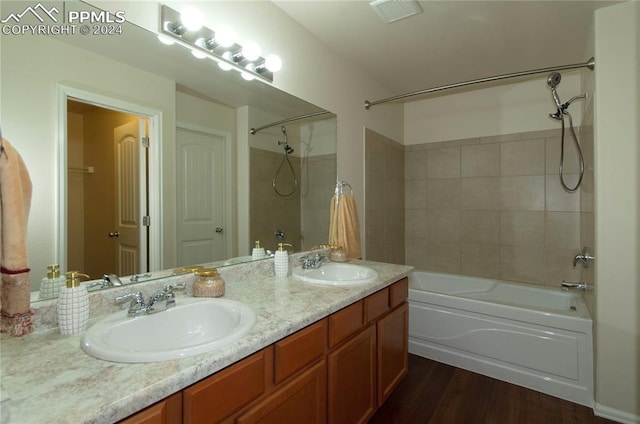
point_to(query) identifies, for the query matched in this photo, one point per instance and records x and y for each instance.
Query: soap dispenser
(73, 305)
(50, 286)
(258, 252)
(281, 260)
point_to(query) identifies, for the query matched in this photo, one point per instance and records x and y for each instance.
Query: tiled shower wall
(493, 207)
(384, 199)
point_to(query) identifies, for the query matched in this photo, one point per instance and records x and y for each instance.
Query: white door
(131, 198)
(201, 197)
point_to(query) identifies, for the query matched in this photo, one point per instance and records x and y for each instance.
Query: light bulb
(273, 63)
(225, 66)
(198, 54)
(165, 40)
(191, 19)
(251, 51)
(246, 75)
(225, 36)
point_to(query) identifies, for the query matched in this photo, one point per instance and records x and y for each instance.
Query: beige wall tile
(443, 257)
(480, 193)
(501, 138)
(480, 259)
(443, 226)
(522, 228)
(562, 230)
(522, 193)
(443, 163)
(443, 193)
(560, 267)
(557, 198)
(523, 263)
(415, 164)
(479, 226)
(522, 158)
(482, 160)
(415, 223)
(415, 194)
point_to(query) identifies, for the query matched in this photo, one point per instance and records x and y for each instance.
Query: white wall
(506, 109)
(31, 68)
(617, 213)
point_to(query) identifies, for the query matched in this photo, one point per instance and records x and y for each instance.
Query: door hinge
(145, 142)
(146, 221)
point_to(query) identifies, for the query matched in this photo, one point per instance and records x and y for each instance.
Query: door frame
(229, 215)
(63, 93)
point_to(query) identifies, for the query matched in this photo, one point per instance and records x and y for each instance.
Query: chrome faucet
(154, 304)
(108, 280)
(584, 257)
(578, 285)
(312, 261)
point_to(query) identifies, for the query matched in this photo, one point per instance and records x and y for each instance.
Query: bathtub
(535, 337)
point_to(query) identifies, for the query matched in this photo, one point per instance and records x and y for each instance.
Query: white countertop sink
(193, 326)
(336, 274)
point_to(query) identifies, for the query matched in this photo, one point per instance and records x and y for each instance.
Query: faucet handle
(169, 295)
(135, 297)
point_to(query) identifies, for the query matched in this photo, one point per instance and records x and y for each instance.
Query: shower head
(288, 149)
(552, 81)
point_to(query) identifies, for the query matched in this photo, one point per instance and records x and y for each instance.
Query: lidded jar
(208, 283)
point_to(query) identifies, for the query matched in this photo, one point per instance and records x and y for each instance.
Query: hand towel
(15, 201)
(344, 226)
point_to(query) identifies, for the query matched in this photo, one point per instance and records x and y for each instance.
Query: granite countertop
(47, 377)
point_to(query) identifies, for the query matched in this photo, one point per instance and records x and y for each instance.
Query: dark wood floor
(435, 393)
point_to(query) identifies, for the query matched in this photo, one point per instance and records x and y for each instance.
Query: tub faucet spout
(579, 285)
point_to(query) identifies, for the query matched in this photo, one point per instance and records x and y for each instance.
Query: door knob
(219, 230)
(114, 234)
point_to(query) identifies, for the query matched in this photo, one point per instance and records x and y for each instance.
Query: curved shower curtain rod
(253, 131)
(591, 63)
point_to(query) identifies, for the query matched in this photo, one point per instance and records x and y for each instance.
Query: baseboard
(615, 414)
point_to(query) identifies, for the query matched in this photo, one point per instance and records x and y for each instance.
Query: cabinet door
(216, 397)
(303, 400)
(352, 382)
(167, 411)
(392, 351)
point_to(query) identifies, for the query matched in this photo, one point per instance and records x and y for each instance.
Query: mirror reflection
(207, 184)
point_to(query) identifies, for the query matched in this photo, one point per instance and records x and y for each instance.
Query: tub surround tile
(35, 390)
(562, 230)
(522, 158)
(522, 193)
(443, 256)
(443, 226)
(415, 164)
(481, 160)
(557, 198)
(481, 259)
(522, 228)
(523, 264)
(480, 226)
(442, 194)
(443, 163)
(480, 193)
(560, 267)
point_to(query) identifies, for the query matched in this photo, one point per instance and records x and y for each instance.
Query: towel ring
(340, 185)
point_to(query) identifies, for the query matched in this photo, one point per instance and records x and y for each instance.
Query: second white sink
(336, 274)
(193, 326)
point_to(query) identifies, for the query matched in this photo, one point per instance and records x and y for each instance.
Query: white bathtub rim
(581, 311)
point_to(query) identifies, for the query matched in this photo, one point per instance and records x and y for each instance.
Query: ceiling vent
(394, 10)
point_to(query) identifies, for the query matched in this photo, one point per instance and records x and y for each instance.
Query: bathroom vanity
(317, 354)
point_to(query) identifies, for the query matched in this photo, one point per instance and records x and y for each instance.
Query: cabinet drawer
(398, 292)
(220, 395)
(376, 305)
(345, 322)
(299, 350)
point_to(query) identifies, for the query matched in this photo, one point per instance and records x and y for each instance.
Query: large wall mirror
(77, 107)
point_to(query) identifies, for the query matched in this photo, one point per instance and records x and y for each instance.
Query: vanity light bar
(203, 41)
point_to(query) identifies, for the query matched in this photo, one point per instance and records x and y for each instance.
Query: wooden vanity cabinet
(337, 370)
